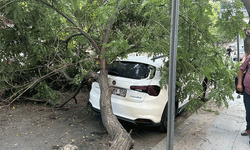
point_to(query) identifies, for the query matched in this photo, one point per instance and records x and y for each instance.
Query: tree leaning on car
(53, 48)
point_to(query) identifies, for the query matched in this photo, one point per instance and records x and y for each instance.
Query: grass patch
(213, 111)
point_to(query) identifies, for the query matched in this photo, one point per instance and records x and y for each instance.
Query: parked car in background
(235, 56)
(137, 95)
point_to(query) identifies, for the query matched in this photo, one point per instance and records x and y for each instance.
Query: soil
(36, 126)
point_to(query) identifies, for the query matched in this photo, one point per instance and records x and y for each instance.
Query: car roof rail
(157, 57)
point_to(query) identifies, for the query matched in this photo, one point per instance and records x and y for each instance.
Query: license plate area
(119, 91)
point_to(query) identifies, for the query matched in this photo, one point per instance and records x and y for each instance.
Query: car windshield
(131, 70)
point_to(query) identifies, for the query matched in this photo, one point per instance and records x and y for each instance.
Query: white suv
(137, 96)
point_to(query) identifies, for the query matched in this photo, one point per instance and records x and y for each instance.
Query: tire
(164, 118)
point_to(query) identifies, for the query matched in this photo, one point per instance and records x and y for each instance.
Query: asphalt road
(33, 126)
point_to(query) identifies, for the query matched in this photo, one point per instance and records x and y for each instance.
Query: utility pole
(172, 73)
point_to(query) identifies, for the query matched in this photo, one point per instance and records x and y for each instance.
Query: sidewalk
(208, 131)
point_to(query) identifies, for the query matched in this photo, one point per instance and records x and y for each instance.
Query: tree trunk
(246, 3)
(121, 138)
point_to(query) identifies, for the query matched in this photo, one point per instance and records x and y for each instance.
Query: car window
(131, 70)
(241, 50)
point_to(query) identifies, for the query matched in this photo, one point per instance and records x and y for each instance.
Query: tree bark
(121, 138)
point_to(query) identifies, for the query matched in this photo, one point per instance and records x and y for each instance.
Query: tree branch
(85, 80)
(78, 28)
(69, 38)
(199, 31)
(6, 4)
(34, 83)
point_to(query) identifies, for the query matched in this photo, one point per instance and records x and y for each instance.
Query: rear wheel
(164, 118)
